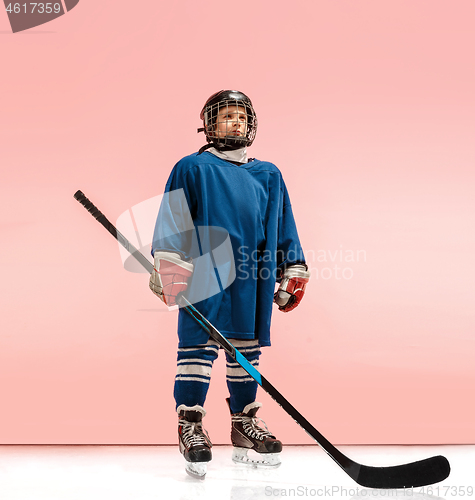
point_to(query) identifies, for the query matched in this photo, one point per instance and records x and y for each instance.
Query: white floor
(149, 472)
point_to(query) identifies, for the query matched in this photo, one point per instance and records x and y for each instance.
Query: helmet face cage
(226, 109)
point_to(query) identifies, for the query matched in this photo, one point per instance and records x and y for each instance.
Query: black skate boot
(247, 435)
(193, 440)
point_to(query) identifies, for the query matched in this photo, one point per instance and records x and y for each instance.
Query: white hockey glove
(169, 276)
(292, 287)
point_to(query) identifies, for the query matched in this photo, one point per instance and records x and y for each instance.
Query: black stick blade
(422, 473)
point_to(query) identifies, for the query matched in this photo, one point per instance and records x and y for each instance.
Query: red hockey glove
(292, 287)
(170, 276)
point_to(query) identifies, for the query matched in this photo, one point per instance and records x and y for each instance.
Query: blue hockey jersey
(238, 211)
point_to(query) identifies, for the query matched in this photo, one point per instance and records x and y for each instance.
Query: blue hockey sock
(193, 374)
(242, 387)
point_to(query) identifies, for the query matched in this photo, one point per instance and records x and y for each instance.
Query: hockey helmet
(209, 114)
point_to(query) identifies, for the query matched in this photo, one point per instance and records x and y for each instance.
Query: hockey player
(246, 197)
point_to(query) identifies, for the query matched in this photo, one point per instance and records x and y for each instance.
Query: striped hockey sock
(193, 373)
(242, 387)
(194, 366)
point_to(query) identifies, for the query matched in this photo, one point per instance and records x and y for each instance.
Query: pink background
(367, 107)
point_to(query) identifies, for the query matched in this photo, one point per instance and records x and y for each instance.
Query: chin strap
(221, 152)
(204, 148)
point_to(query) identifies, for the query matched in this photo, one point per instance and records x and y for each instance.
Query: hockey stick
(420, 473)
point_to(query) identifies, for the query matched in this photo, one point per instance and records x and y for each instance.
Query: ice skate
(247, 434)
(193, 440)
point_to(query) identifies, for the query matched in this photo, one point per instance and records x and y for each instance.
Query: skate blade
(196, 469)
(240, 456)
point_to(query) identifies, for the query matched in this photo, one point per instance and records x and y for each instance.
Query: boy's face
(231, 121)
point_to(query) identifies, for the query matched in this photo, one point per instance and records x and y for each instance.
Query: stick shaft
(422, 473)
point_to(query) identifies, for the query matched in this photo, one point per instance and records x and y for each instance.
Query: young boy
(225, 233)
